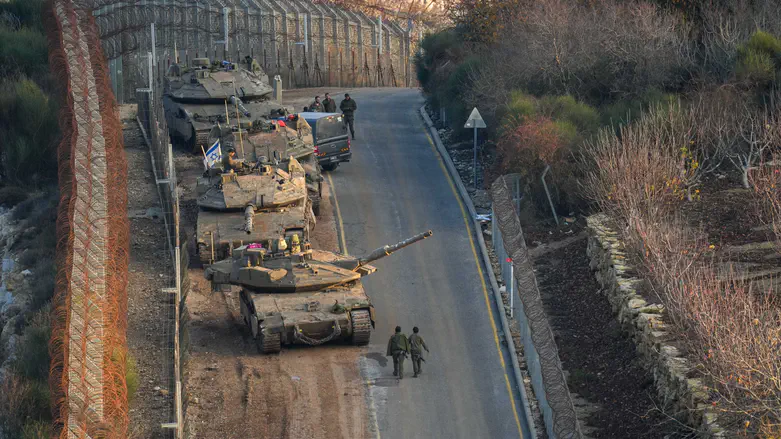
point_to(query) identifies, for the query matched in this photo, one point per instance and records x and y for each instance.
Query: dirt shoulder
(148, 320)
(234, 391)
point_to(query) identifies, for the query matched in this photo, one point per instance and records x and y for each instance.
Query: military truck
(197, 97)
(255, 203)
(292, 294)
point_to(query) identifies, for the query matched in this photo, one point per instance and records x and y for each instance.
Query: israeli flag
(213, 155)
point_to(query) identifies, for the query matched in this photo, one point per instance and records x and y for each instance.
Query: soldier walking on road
(398, 348)
(348, 107)
(417, 345)
(329, 105)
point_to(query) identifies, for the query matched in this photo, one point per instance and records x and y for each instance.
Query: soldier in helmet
(229, 161)
(417, 345)
(398, 348)
(295, 246)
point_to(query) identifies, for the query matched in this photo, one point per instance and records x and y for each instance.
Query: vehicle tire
(330, 166)
(269, 344)
(362, 330)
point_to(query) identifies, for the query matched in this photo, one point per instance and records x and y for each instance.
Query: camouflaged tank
(254, 204)
(269, 142)
(292, 294)
(198, 96)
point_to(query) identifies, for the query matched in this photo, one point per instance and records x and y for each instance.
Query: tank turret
(261, 269)
(292, 294)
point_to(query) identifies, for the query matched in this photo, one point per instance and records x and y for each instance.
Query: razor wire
(88, 344)
(544, 367)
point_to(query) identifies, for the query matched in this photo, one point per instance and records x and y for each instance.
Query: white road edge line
(487, 262)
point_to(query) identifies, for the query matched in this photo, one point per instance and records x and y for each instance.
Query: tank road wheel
(362, 330)
(269, 343)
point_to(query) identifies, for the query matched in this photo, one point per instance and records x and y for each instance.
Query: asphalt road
(395, 187)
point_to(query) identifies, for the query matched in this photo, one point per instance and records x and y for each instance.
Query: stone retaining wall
(684, 397)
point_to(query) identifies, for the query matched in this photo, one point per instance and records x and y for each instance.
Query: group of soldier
(328, 105)
(399, 346)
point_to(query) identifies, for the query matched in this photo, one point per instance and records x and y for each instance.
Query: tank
(269, 142)
(198, 96)
(255, 204)
(292, 294)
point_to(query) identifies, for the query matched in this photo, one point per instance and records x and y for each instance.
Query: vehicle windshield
(328, 128)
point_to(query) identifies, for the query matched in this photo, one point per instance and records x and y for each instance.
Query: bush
(12, 195)
(32, 356)
(24, 50)
(28, 123)
(758, 59)
(565, 108)
(22, 402)
(37, 430)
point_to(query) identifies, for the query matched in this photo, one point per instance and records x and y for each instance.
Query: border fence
(306, 43)
(152, 121)
(540, 350)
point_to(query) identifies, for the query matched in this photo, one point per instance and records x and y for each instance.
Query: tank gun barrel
(249, 218)
(387, 250)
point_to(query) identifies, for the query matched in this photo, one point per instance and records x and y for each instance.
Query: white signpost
(475, 121)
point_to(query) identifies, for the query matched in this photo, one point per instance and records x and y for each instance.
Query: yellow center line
(339, 222)
(482, 281)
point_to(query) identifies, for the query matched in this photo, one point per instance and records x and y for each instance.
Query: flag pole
(205, 159)
(238, 121)
(227, 118)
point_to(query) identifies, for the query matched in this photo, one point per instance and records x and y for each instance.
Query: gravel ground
(147, 315)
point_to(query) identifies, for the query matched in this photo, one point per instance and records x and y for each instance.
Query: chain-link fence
(540, 350)
(151, 118)
(308, 44)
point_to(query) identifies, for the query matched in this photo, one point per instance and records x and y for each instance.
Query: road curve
(395, 187)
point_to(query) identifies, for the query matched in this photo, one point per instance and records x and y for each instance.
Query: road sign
(475, 120)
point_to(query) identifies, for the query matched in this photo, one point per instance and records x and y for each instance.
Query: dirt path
(234, 391)
(147, 314)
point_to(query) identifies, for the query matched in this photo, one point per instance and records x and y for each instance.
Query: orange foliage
(528, 141)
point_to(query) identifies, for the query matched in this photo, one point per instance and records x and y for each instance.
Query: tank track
(269, 343)
(362, 330)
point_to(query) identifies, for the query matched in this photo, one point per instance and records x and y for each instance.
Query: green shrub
(759, 59)
(24, 50)
(520, 106)
(566, 108)
(12, 195)
(32, 355)
(28, 125)
(37, 430)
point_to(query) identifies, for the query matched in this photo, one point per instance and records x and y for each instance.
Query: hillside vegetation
(655, 113)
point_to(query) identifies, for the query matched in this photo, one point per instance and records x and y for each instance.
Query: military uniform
(329, 105)
(348, 107)
(417, 345)
(398, 348)
(316, 107)
(229, 164)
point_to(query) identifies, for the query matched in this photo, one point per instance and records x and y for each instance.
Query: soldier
(417, 345)
(316, 106)
(229, 162)
(398, 348)
(329, 105)
(348, 107)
